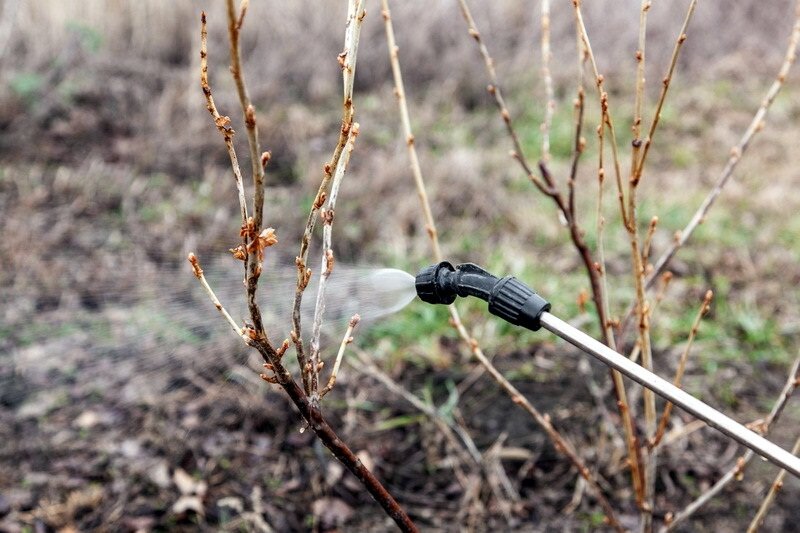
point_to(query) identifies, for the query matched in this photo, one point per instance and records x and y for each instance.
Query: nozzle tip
(429, 285)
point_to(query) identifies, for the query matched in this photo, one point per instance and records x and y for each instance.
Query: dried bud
(265, 157)
(224, 125)
(250, 116)
(354, 320)
(329, 261)
(198, 272)
(267, 238)
(319, 200)
(239, 252)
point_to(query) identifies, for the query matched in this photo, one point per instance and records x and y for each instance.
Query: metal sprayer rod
(662, 387)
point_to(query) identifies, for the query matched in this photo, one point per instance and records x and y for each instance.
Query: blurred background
(125, 404)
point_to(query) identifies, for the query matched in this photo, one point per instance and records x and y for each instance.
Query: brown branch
(662, 424)
(254, 242)
(756, 125)
(631, 438)
(223, 123)
(640, 83)
(638, 165)
(347, 60)
(333, 442)
(549, 95)
(543, 420)
(253, 263)
(347, 339)
(776, 486)
(544, 184)
(327, 215)
(576, 233)
(737, 471)
(604, 106)
(198, 273)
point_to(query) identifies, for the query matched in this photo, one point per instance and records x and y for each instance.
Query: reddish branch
(252, 250)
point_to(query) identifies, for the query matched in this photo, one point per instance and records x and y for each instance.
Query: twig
(448, 427)
(776, 486)
(666, 278)
(640, 83)
(638, 256)
(648, 240)
(631, 439)
(347, 339)
(326, 268)
(549, 95)
(400, 94)
(198, 273)
(223, 123)
(737, 471)
(662, 425)
(604, 105)
(251, 232)
(234, 27)
(643, 316)
(638, 165)
(254, 243)
(756, 125)
(347, 60)
(579, 144)
(560, 443)
(545, 183)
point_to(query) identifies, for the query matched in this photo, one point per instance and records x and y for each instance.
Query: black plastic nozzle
(508, 298)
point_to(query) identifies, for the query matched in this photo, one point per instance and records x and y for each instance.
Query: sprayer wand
(518, 304)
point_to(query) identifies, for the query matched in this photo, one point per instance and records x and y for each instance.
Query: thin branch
(638, 165)
(254, 243)
(560, 443)
(446, 426)
(545, 183)
(198, 273)
(640, 83)
(252, 231)
(223, 123)
(648, 240)
(327, 215)
(347, 60)
(662, 425)
(579, 144)
(756, 125)
(643, 316)
(604, 106)
(234, 27)
(737, 471)
(347, 339)
(776, 486)
(631, 439)
(400, 94)
(549, 95)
